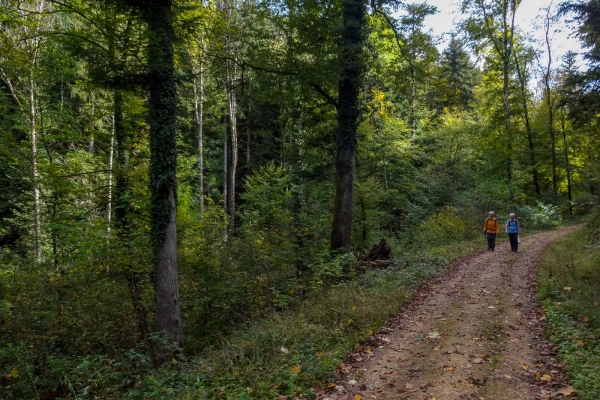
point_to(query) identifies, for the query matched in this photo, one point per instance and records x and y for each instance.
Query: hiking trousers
(514, 241)
(491, 239)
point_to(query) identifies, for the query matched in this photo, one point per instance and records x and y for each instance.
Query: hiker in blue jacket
(513, 229)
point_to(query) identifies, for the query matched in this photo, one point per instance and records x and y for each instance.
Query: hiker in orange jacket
(491, 229)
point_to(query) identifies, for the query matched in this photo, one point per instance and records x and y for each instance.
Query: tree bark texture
(550, 105)
(199, 107)
(162, 110)
(351, 74)
(110, 175)
(231, 72)
(122, 175)
(37, 226)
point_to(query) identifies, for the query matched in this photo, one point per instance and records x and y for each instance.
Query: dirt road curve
(476, 333)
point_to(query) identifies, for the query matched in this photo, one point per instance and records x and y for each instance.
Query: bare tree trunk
(225, 176)
(413, 95)
(232, 100)
(37, 229)
(91, 142)
(110, 174)
(505, 68)
(199, 107)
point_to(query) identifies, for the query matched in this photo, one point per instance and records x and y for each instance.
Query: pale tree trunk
(110, 174)
(232, 103)
(550, 105)
(199, 108)
(91, 142)
(507, 123)
(225, 177)
(37, 229)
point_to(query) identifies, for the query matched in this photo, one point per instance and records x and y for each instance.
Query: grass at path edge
(570, 293)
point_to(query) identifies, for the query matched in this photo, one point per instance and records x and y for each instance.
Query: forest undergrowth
(289, 352)
(570, 291)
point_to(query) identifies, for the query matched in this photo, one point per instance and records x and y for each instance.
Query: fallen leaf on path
(408, 386)
(477, 361)
(546, 378)
(433, 335)
(525, 367)
(357, 397)
(359, 373)
(352, 381)
(567, 391)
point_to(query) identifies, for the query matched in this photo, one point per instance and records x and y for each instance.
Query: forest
(189, 189)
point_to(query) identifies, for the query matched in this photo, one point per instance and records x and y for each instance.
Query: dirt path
(476, 333)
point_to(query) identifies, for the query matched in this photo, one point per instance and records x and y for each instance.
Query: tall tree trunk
(523, 85)
(122, 171)
(505, 68)
(110, 175)
(350, 82)
(225, 173)
(37, 228)
(233, 136)
(199, 108)
(550, 105)
(162, 115)
(567, 163)
(413, 95)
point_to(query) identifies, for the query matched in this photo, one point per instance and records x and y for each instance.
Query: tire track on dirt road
(475, 333)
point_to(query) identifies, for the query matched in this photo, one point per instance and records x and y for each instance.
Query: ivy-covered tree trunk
(351, 73)
(163, 164)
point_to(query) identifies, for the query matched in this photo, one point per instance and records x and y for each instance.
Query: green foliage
(286, 353)
(442, 227)
(570, 289)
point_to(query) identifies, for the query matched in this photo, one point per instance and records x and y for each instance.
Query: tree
(493, 22)
(162, 110)
(549, 98)
(460, 74)
(350, 82)
(24, 37)
(523, 59)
